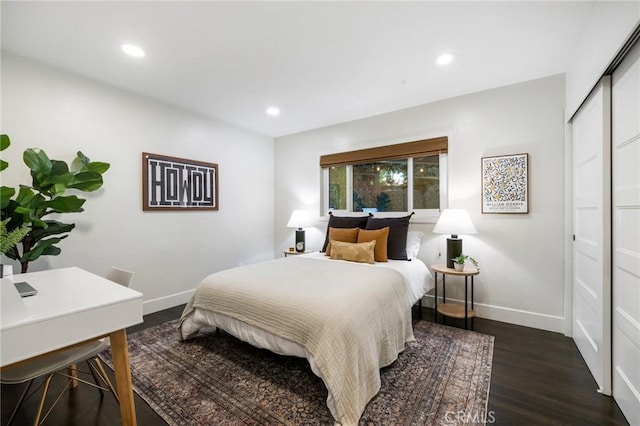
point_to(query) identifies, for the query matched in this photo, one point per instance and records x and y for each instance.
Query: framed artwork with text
(170, 183)
(505, 184)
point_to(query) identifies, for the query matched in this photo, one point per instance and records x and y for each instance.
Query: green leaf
(56, 182)
(4, 142)
(90, 166)
(25, 195)
(58, 189)
(43, 247)
(68, 204)
(51, 251)
(53, 227)
(5, 195)
(29, 217)
(84, 160)
(59, 168)
(87, 181)
(37, 161)
(9, 238)
(98, 167)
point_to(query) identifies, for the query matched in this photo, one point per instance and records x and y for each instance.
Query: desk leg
(120, 354)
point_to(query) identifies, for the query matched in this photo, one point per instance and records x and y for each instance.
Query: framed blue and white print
(170, 183)
(505, 184)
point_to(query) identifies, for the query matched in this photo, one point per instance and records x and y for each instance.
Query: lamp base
(300, 247)
(454, 249)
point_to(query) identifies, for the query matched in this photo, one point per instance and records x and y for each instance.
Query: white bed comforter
(349, 319)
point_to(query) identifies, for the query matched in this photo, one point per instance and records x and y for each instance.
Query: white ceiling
(321, 63)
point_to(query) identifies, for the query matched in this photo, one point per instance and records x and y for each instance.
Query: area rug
(215, 379)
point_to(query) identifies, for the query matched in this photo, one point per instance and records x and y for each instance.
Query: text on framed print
(171, 183)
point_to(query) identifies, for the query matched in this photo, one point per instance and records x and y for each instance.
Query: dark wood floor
(538, 378)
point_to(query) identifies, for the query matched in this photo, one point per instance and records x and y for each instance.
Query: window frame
(408, 151)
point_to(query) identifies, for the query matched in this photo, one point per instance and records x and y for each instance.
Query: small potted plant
(459, 261)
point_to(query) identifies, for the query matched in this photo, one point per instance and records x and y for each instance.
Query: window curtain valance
(420, 148)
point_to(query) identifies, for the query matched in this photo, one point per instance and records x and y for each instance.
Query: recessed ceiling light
(273, 111)
(132, 50)
(445, 58)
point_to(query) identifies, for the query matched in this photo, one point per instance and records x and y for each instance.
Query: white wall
(521, 256)
(169, 251)
(610, 24)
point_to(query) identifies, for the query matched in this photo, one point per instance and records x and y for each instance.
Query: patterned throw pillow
(346, 235)
(355, 252)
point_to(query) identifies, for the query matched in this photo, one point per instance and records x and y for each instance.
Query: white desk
(72, 306)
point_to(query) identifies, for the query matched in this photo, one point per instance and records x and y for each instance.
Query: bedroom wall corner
(170, 252)
(610, 25)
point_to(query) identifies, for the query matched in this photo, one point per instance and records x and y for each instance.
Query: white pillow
(414, 241)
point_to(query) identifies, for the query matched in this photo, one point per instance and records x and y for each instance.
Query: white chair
(57, 362)
(119, 276)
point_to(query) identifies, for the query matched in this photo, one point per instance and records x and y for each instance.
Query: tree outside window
(380, 186)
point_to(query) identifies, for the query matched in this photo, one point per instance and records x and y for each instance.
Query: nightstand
(451, 309)
(295, 253)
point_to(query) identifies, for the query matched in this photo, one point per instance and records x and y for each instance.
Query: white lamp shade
(454, 222)
(299, 219)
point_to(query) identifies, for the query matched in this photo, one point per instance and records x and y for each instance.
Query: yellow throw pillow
(380, 236)
(355, 252)
(346, 235)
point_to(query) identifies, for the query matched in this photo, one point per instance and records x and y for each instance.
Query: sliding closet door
(625, 107)
(591, 322)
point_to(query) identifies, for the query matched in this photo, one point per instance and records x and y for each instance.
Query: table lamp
(454, 222)
(299, 219)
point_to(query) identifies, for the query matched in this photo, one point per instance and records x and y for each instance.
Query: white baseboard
(166, 302)
(511, 316)
(496, 313)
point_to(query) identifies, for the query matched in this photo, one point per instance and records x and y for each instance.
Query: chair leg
(96, 369)
(95, 375)
(20, 401)
(53, 405)
(103, 374)
(44, 396)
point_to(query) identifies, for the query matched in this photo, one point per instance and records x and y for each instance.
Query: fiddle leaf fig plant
(47, 195)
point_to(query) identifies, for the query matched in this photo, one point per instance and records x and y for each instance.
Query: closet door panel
(591, 298)
(625, 110)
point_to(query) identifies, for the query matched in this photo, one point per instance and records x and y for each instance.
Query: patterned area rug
(215, 379)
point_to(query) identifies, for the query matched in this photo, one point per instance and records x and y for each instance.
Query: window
(380, 186)
(394, 178)
(426, 182)
(337, 188)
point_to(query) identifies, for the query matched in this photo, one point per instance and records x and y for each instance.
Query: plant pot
(458, 266)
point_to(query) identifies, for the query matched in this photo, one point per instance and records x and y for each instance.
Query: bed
(348, 319)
